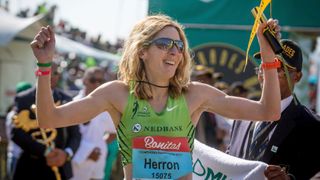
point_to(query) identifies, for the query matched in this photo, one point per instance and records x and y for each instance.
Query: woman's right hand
(43, 45)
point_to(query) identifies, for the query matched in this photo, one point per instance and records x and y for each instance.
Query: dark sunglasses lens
(180, 45)
(164, 43)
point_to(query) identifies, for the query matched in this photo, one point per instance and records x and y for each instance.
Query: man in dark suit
(37, 159)
(291, 141)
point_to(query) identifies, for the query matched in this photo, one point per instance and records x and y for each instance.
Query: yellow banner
(262, 7)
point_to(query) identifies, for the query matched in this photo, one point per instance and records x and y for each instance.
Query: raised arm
(270, 98)
(268, 108)
(75, 112)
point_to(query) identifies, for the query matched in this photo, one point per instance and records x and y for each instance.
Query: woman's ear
(142, 54)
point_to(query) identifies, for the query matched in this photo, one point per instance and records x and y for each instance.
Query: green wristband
(44, 64)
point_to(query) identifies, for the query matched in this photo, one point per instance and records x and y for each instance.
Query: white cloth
(209, 163)
(92, 137)
(13, 149)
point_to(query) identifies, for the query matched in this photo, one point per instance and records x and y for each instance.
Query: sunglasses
(167, 44)
(281, 71)
(94, 80)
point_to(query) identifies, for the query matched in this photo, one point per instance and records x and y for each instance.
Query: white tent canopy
(17, 62)
(12, 26)
(64, 45)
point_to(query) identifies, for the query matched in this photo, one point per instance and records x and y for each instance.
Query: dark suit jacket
(294, 143)
(32, 163)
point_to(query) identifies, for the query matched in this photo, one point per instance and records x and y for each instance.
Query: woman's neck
(156, 81)
(154, 84)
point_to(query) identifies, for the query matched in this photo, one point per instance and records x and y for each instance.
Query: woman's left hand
(267, 53)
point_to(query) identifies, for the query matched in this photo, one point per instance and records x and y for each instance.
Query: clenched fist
(43, 45)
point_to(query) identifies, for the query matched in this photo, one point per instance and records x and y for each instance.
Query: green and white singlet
(158, 145)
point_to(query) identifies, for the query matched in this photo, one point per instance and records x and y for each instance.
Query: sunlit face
(283, 82)
(161, 61)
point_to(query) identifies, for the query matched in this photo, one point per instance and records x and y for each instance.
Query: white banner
(209, 163)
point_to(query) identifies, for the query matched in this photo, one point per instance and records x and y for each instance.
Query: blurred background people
(36, 159)
(90, 159)
(13, 150)
(212, 129)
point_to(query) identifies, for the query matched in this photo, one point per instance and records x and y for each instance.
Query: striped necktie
(260, 140)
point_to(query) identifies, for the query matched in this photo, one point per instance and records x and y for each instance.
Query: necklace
(147, 82)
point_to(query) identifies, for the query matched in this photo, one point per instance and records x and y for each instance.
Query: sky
(112, 18)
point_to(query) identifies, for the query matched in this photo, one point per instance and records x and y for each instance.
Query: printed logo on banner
(207, 172)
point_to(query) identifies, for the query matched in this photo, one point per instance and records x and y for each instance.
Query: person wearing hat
(36, 159)
(13, 150)
(288, 143)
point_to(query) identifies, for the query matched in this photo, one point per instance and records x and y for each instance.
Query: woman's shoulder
(196, 86)
(114, 88)
(194, 89)
(201, 90)
(117, 85)
(116, 92)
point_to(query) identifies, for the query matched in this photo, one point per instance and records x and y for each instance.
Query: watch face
(228, 60)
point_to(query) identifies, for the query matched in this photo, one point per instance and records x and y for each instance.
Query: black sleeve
(23, 101)
(27, 143)
(74, 137)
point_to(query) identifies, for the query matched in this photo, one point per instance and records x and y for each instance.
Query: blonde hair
(132, 69)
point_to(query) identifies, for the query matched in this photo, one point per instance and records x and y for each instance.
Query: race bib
(159, 157)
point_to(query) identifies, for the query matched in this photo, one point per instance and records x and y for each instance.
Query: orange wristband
(42, 73)
(272, 65)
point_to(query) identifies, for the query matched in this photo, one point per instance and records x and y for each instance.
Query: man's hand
(274, 172)
(57, 157)
(43, 45)
(95, 154)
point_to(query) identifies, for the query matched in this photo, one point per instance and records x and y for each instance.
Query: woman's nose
(174, 50)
